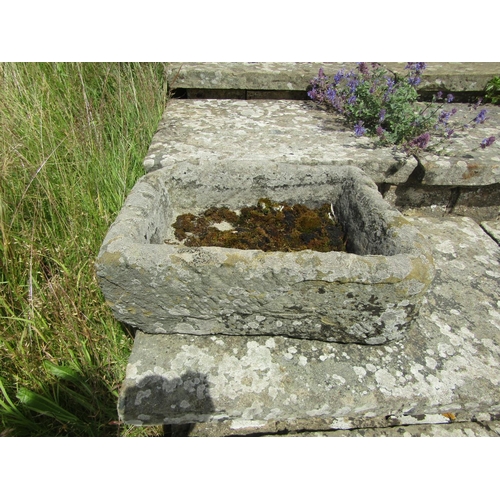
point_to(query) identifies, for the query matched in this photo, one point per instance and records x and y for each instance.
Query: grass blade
(45, 406)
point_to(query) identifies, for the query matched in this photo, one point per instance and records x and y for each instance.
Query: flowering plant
(378, 102)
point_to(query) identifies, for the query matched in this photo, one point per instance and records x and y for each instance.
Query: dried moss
(267, 226)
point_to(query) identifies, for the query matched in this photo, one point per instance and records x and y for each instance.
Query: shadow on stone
(175, 403)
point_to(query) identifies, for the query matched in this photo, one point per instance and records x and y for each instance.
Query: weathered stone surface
(452, 77)
(250, 134)
(419, 425)
(448, 364)
(462, 429)
(368, 296)
(479, 203)
(193, 134)
(464, 162)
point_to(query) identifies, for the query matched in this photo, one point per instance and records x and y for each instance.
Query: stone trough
(368, 295)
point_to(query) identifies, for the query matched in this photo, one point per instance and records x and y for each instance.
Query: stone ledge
(196, 133)
(462, 429)
(450, 424)
(290, 76)
(449, 363)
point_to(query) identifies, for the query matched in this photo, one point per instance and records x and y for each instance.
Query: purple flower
(321, 73)
(439, 95)
(421, 141)
(331, 94)
(312, 94)
(444, 116)
(487, 142)
(351, 99)
(380, 131)
(381, 116)
(363, 68)
(338, 77)
(414, 80)
(450, 97)
(390, 88)
(359, 130)
(481, 116)
(417, 67)
(353, 84)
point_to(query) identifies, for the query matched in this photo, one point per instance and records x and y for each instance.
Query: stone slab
(367, 295)
(449, 363)
(194, 133)
(244, 134)
(446, 76)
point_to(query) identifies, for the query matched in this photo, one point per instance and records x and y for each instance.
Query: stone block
(197, 133)
(444, 76)
(369, 295)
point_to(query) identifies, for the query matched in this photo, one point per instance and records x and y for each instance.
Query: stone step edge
(449, 77)
(302, 427)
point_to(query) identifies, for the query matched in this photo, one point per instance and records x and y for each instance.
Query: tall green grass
(72, 140)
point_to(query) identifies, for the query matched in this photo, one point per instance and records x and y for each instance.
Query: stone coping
(293, 76)
(449, 363)
(197, 133)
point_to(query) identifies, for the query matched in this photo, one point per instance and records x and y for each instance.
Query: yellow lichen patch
(110, 258)
(451, 416)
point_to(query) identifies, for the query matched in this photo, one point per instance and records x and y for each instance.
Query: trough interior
(358, 205)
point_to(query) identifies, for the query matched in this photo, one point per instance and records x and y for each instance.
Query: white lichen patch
(446, 247)
(430, 363)
(141, 395)
(324, 410)
(339, 379)
(359, 371)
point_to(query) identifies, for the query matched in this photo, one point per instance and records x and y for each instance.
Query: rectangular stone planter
(369, 295)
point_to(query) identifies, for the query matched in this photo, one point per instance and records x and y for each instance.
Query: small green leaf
(67, 373)
(64, 372)
(45, 406)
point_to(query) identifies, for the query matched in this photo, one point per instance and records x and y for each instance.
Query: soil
(267, 226)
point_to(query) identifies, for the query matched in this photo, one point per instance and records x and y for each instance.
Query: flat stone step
(248, 135)
(194, 133)
(261, 79)
(448, 365)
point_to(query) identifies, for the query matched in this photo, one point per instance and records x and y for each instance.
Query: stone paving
(443, 380)
(450, 363)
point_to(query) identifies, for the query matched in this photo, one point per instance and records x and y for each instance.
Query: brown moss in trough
(267, 226)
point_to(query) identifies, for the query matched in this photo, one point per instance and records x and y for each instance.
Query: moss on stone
(267, 226)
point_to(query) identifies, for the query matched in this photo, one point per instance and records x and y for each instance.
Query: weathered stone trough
(369, 295)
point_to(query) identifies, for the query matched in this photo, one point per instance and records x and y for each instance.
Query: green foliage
(72, 140)
(380, 103)
(492, 90)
